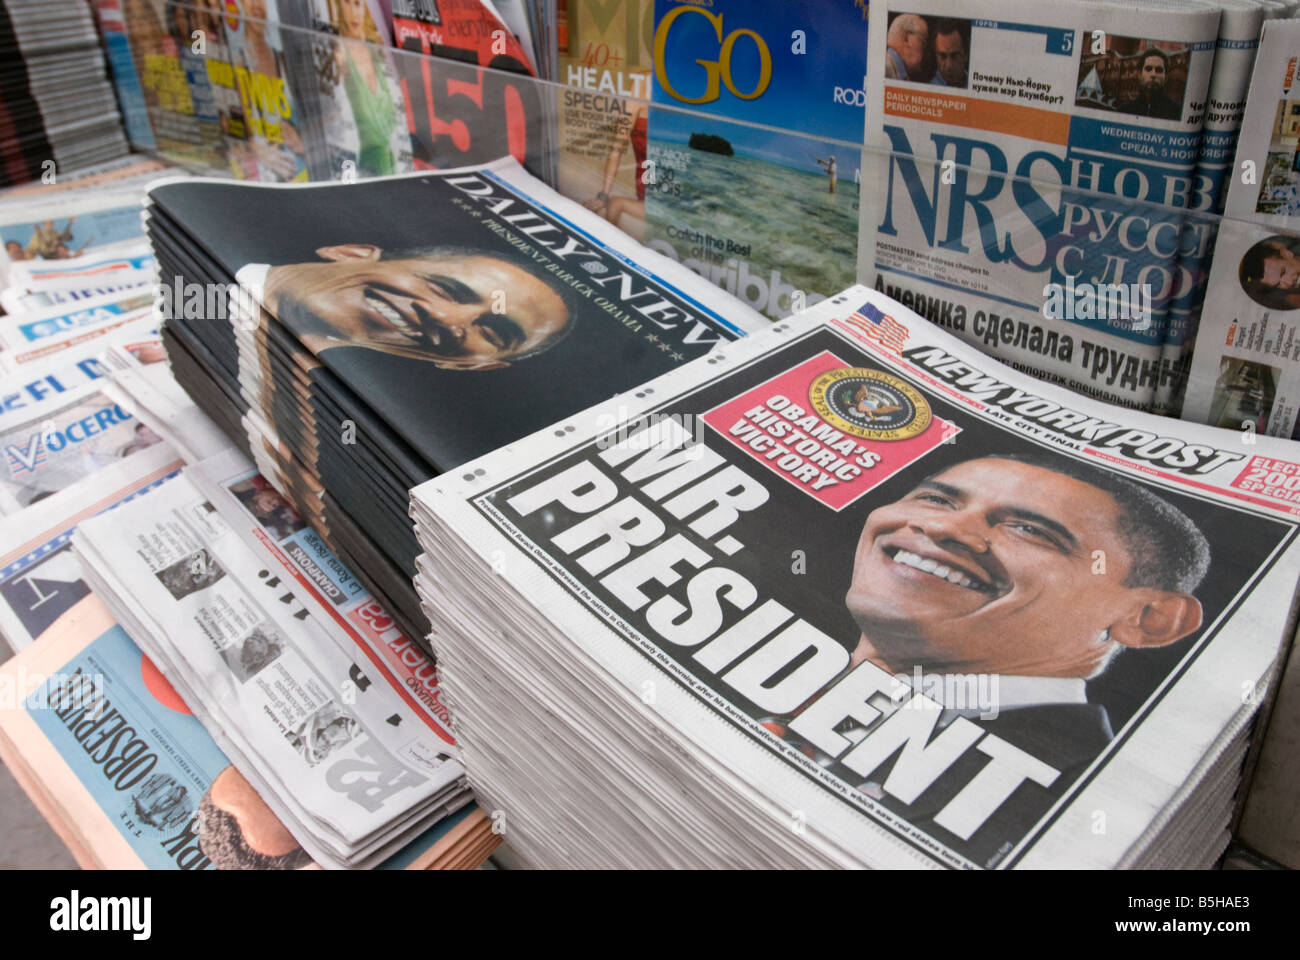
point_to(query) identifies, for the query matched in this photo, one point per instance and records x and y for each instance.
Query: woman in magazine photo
(365, 82)
(615, 208)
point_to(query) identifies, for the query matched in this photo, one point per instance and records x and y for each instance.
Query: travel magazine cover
(769, 216)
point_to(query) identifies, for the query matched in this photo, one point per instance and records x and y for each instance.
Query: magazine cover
(126, 75)
(942, 615)
(1007, 198)
(193, 26)
(771, 217)
(458, 114)
(364, 115)
(603, 127)
(240, 144)
(162, 79)
(264, 59)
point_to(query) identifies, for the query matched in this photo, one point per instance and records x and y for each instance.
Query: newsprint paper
(931, 610)
(1246, 364)
(1031, 202)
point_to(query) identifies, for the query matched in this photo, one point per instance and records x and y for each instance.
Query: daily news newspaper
(1030, 201)
(1245, 372)
(339, 745)
(944, 610)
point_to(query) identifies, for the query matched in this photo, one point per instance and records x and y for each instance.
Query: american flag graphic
(25, 461)
(880, 327)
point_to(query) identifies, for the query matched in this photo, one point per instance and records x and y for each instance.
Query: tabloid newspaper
(336, 746)
(936, 611)
(769, 213)
(1007, 211)
(345, 403)
(1245, 371)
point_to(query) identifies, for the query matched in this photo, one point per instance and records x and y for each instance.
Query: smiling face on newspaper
(949, 609)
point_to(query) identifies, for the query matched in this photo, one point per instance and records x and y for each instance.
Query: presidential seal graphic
(869, 404)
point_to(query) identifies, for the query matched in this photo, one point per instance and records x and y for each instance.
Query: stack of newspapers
(175, 801)
(848, 592)
(94, 422)
(334, 745)
(77, 271)
(58, 103)
(358, 339)
(1053, 171)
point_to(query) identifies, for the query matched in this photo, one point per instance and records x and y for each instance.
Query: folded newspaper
(340, 750)
(128, 778)
(848, 592)
(353, 359)
(1041, 159)
(1245, 368)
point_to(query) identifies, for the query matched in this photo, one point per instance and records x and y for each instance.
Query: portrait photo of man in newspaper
(1000, 587)
(1036, 570)
(458, 308)
(1270, 273)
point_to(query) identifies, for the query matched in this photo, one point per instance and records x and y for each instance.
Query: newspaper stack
(327, 735)
(849, 592)
(180, 805)
(60, 113)
(1245, 368)
(1046, 166)
(355, 357)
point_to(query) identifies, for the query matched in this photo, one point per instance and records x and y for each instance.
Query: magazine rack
(780, 232)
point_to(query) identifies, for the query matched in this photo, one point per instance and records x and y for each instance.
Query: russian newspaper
(1038, 158)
